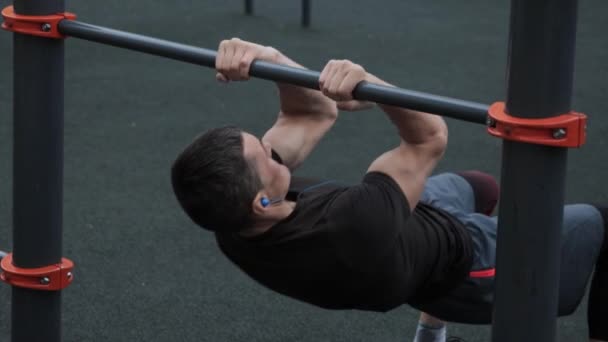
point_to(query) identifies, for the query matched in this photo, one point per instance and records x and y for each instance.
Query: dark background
(144, 271)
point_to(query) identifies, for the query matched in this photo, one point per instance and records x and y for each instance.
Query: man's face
(275, 177)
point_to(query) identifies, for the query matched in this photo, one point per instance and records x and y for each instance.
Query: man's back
(356, 247)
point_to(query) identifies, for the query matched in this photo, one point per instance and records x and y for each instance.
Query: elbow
(442, 135)
(438, 141)
(442, 142)
(331, 111)
(332, 116)
(327, 115)
(326, 112)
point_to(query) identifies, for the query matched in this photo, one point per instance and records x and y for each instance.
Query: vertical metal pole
(539, 85)
(248, 7)
(305, 13)
(37, 173)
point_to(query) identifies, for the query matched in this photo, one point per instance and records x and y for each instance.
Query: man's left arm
(305, 116)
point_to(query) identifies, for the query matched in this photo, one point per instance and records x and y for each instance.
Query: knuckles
(344, 65)
(344, 93)
(244, 62)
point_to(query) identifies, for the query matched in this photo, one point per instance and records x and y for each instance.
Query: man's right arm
(305, 115)
(423, 136)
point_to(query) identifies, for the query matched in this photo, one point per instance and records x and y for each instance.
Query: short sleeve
(366, 221)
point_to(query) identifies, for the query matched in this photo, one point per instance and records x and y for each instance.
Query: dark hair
(214, 183)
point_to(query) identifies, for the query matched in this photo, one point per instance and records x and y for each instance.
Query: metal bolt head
(45, 281)
(559, 133)
(46, 27)
(490, 122)
(69, 275)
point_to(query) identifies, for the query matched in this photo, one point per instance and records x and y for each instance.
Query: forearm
(415, 127)
(304, 118)
(295, 100)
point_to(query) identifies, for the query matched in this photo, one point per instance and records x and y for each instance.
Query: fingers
(234, 58)
(224, 55)
(234, 69)
(244, 63)
(339, 78)
(347, 105)
(221, 78)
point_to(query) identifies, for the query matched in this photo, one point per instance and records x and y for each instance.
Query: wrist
(375, 80)
(274, 56)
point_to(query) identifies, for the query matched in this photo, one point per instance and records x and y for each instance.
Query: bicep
(294, 137)
(409, 166)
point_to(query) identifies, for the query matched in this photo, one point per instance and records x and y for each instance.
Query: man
(397, 237)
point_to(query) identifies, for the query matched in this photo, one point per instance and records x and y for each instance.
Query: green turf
(144, 271)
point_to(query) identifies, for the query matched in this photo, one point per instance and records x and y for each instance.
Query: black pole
(248, 7)
(454, 108)
(37, 173)
(305, 13)
(539, 85)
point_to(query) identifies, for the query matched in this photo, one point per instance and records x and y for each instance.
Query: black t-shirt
(356, 247)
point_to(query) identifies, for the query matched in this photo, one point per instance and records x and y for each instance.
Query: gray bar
(37, 150)
(539, 85)
(542, 59)
(37, 173)
(445, 106)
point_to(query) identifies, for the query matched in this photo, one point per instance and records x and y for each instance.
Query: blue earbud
(266, 202)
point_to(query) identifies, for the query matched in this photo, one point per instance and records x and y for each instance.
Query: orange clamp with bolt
(48, 278)
(566, 130)
(38, 25)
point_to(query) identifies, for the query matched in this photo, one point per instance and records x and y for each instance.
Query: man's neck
(263, 225)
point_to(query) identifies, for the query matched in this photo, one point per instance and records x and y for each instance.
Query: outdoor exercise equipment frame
(305, 6)
(536, 124)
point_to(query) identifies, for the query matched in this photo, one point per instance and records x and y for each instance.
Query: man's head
(222, 176)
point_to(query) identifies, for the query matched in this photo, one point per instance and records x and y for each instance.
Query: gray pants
(471, 302)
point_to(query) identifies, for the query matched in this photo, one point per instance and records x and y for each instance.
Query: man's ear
(258, 208)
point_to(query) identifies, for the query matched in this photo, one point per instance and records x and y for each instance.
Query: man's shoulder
(301, 187)
(375, 194)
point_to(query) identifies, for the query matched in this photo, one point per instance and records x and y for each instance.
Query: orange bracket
(48, 278)
(40, 25)
(566, 130)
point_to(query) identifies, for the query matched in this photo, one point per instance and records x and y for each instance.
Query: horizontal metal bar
(2, 254)
(440, 105)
